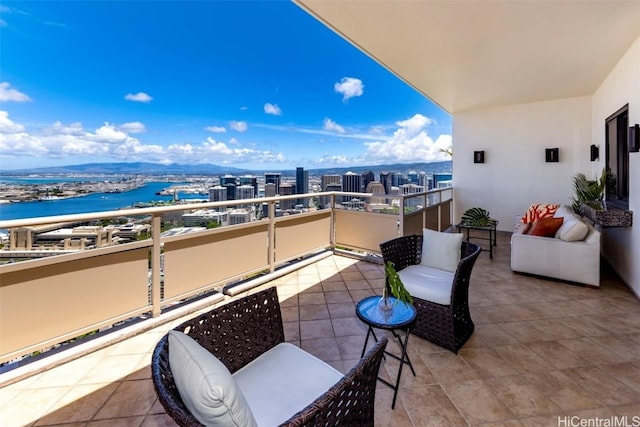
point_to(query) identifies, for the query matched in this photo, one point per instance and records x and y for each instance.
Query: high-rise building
(252, 181)
(287, 189)
(442, 180)
(302, 185)
(385, 180)
(412, 177)
(273, 178)
(244, 192)
(367, 178)
(218, 194)
(327, 180)
(269, 189)
(228, 179)
(230, 183)
(231, 191)
(397, 179)
(352, 182)
(423, 179)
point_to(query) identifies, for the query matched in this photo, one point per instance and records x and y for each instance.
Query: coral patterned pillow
(539, 210)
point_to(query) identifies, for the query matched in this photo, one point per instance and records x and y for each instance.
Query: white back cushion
(206, 386)
(441, 250)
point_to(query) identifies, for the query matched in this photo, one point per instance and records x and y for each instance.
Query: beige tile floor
(541, 350)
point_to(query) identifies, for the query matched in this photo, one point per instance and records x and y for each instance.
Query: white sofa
(559, 257)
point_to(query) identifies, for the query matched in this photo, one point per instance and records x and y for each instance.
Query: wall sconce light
(634, 138)
(478, 157)
(595, 152)
(551, 155)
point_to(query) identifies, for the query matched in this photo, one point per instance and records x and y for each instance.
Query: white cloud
(330, 125)
(114, 143)
(409, 143)
(330, 160)
(218, 152)
(138, 97)
(133, 127)
(9, 126)
(415, 124)
(349, 87)
(9, 94)
(216, 129)
(272, 109)
(109, 134)
(238, 126)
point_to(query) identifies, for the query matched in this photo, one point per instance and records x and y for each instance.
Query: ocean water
(98, 202)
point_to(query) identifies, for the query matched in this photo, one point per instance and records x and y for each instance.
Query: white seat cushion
(283, 381)
(206, 386)
(441, 250)
(428, 283)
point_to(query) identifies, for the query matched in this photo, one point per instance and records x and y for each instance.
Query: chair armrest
(402, 251)
(351, 400)
(240, 331)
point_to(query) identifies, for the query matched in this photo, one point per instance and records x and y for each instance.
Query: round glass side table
(401, 317)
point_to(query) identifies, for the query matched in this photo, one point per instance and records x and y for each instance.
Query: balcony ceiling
(478, 54)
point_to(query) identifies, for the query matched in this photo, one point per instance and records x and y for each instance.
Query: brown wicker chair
(448, 326)
(239, 332)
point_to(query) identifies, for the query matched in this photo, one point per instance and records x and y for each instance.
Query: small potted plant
(395, 286)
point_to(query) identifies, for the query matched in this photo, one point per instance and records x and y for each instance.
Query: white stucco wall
(515, 174)
(514, 139)
(621, 246)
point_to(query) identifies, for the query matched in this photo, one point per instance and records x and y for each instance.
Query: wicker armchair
(448, 326)
(242, 330)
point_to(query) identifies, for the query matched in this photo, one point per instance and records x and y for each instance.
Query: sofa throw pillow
(539, 210)
(205, 385)
(572, 229)
(441, 250)
(546, 227)
(563, 211)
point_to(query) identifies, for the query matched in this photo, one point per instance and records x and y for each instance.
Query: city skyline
(254, 85)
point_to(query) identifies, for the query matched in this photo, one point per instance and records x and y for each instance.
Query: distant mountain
(141, 168)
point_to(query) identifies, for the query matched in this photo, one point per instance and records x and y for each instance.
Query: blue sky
(257, 85)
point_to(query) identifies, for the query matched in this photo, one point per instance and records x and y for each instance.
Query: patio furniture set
(232, 366)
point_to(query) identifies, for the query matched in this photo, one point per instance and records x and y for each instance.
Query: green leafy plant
(396, 286)
(588, 192)
(477, 217)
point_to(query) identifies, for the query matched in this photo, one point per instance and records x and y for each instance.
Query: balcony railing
(50, 300)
